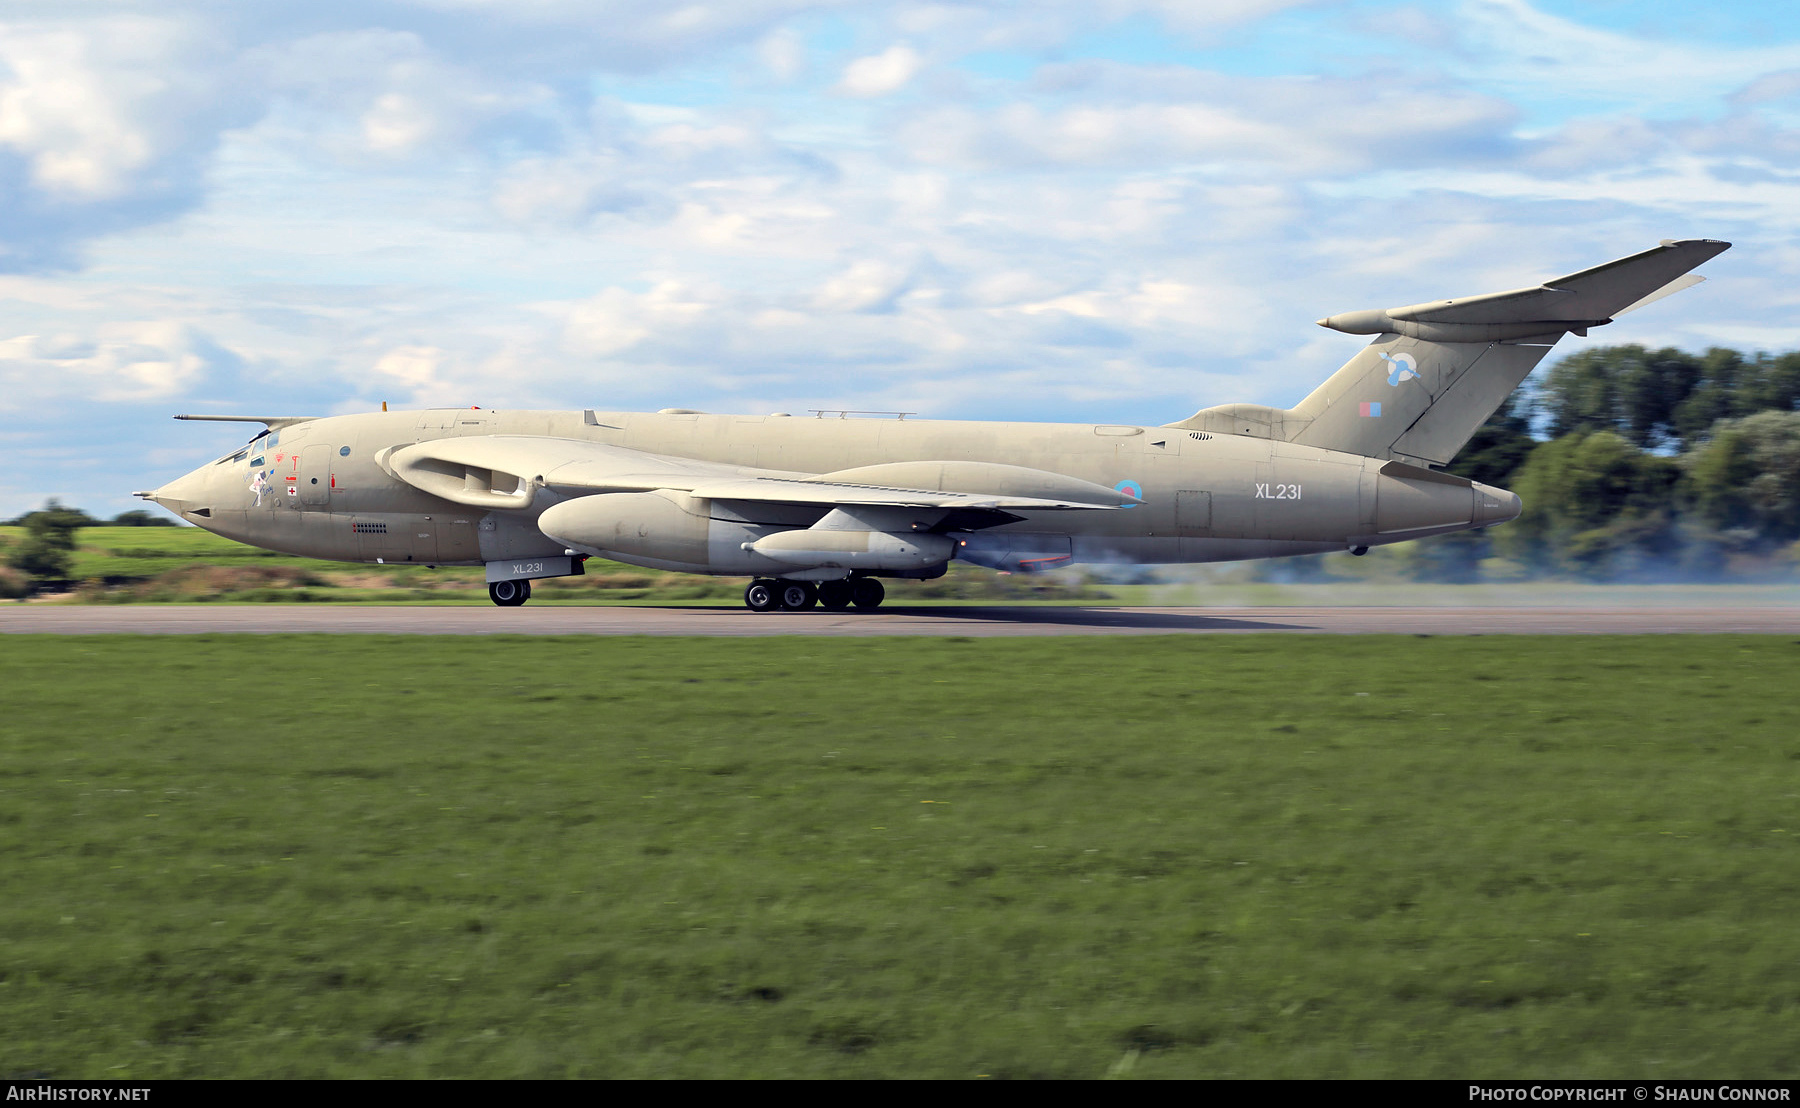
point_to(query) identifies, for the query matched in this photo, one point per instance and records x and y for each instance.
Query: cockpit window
(262, 442)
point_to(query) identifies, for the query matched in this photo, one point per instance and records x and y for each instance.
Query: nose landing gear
(509, 594)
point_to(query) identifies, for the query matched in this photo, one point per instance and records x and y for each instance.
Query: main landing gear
(764, 595)
(866, 592)
(509, 594)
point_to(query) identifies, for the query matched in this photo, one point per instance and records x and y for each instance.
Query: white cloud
(617, 319)
(783, 54)
(396, 122)
(92, 103)
(866, 286)
(1206, 16)
(640, 204)
(385, 93)
(1295, 126)
(1509, 44)
(1586, 144)
(689, 139)
(1216, 307)
(414, 368)
(122, 362)
(880, 74)
(710, 226)
(631, 36)
(55, 111)
(1770, 86)
(1046, 25)
(564, 190)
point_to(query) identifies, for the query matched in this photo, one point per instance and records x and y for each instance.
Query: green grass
(187, 565)
(137, 552)
(126, 565)
(538, 857)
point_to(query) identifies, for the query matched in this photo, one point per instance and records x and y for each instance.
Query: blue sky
(1118, 210)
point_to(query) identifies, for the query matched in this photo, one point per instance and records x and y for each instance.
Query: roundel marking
(1405, 368)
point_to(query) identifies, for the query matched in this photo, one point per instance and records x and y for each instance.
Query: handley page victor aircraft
(816, 509)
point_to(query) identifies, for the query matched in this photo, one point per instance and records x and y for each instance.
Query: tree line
(46, 556)
(1639, 464)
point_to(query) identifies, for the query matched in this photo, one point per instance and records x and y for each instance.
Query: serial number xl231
(816, 510)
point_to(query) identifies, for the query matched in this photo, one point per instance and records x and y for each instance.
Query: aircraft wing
(789, 490)
(504, 471)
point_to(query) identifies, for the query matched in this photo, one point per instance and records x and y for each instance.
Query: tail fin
(1436, 371)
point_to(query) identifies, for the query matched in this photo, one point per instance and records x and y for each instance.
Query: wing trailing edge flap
(504, 471)
(1020, 485)
(790, 490)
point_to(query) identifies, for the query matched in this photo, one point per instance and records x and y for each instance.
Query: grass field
(188, 565)
(124, 565)
(1148, 857)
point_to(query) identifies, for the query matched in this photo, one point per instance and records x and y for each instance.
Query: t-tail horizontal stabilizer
(1437, 370)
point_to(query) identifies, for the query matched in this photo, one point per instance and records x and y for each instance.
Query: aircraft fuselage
(321, 489)
(814, 509)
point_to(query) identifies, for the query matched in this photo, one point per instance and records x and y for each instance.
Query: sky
(1114, 211)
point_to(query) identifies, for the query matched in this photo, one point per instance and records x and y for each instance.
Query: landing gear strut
(509, 594)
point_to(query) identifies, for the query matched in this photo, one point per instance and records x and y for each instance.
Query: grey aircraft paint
(815, 509)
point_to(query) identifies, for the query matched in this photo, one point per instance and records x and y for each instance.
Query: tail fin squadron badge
(1404, 368)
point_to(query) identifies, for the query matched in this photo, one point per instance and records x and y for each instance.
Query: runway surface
(192, 619)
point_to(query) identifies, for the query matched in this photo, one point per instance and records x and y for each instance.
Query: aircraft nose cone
(185, 495)
(1494, 505)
